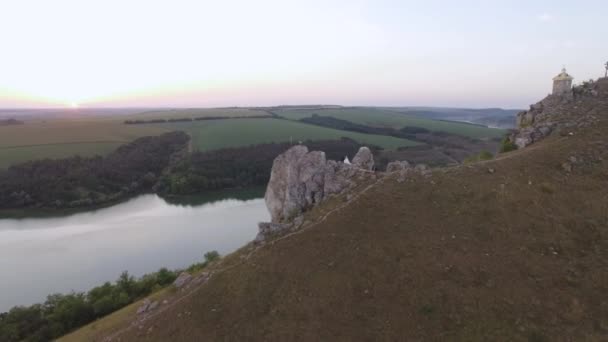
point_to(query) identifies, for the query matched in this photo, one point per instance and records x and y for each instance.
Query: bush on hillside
(483, 155)
(507, 145)
(60, 313)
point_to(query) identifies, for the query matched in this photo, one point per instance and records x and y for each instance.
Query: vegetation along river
(44, 255)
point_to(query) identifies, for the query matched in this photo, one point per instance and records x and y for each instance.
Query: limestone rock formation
(364, 159)
(183, 279)
(558, 112)
(301, 179)
(397, 166)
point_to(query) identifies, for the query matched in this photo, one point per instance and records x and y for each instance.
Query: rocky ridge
(560, 113)
(301, 179)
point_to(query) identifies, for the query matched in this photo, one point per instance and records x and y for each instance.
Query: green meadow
(210, 135)
(386, 118)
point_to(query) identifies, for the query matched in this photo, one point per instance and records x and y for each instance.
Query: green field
(194, 113)
(386, 118)
(61, 138)
(210, 135)
(15, 155)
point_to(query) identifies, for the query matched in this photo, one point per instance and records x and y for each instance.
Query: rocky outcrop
(364, 159)
(558, 112)
(397, 166)
(183, 279)
(301, 179)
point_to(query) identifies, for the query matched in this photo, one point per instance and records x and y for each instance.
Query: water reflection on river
(39, 256)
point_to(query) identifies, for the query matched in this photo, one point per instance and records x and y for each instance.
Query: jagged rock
(269, 228)
(337, 177)
(144, 307)
(183, 279)
(421, 169)
(153, 305)
(397, 166)
(300, 179)
(295, 182)
(555, 113)
(364, 159)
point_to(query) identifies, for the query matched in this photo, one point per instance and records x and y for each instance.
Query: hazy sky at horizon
(222, 53)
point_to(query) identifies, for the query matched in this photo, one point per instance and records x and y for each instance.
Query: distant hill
(490, 117)
(9, 122)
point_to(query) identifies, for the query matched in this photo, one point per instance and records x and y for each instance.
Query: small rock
(182, 279)
(266, 229)
(144, 307)
(153, 306)
(567, 167)
(397, 166)
(491, 170)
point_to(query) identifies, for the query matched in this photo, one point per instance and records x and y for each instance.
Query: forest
(80, 181)
(239, 167)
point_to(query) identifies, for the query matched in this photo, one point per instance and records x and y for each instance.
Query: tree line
(63, 313)
(79, 181)
(202, 118)
(239, 167)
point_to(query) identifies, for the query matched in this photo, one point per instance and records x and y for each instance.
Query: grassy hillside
(512, 249)
(209, 135)
(387, 118)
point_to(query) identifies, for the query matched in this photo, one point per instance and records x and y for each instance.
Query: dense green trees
(239, 167)
(60, 313)
(507, 145)
(77, 181)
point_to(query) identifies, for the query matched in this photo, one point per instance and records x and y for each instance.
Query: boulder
(364, 159)
(143, 307)
(183, 279)
(300, 179)
(397, 166)
(266, 229)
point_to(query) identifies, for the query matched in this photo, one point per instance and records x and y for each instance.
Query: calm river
(39, 256)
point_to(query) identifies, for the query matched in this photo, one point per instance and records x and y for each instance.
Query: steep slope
(513, 249)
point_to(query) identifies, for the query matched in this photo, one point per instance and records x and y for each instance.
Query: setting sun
(74, 105)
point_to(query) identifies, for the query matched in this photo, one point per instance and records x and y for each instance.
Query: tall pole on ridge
(606, 73)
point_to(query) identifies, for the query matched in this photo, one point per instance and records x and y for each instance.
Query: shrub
(485, 155)
(507, 145)
(211, 256)
(60, 314)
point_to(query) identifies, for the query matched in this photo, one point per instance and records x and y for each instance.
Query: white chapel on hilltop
(562, 83)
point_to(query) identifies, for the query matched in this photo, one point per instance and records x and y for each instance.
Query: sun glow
(74, 105)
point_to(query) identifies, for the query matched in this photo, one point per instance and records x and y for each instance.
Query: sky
(180, 53)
